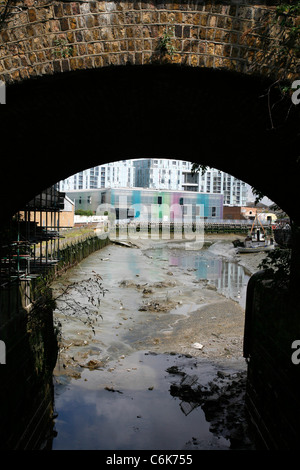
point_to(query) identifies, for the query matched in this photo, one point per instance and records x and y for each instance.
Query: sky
(251, 197)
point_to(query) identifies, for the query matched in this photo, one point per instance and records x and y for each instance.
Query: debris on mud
(159, 284)
(111, 389)
(222, 401)
(161, 305)
(93, 364)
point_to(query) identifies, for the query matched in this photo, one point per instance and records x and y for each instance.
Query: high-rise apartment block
(110, 175)
(163, 174)
(235, 191)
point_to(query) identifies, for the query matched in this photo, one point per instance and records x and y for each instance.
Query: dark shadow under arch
(55, 126)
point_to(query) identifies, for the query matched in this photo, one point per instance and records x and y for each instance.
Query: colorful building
(150, 205)
(158, 173)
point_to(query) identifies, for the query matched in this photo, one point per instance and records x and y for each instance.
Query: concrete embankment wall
(74, 253)
(27, 331)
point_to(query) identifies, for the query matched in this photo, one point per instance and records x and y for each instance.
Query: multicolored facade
(151, 205)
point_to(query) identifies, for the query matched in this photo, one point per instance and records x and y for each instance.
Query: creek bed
(165, 308)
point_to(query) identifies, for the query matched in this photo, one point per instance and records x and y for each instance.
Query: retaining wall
(26, 386)
(271, 327)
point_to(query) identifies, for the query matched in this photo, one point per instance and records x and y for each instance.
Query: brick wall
(232, 212)
(39, 37)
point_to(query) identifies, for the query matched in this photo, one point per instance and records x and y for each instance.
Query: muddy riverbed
(151, 348)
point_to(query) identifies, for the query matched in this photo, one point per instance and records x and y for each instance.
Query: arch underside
(55, 126)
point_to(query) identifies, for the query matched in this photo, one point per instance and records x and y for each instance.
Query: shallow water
(139, 414)
(131, 408)
(210, 264)
(126, 403)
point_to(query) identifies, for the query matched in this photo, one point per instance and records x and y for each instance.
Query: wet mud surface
(161, 328)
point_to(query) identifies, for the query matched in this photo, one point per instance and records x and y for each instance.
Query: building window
(213, 211)
(159, 200)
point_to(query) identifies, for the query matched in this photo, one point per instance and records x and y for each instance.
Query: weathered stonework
(39, 37)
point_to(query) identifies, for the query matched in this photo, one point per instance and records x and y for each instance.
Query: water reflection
(92, 413)
(143, 416)
(227, 276)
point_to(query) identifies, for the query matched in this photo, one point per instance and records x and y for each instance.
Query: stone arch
(88, 82)
(60, 124)
(42, 37)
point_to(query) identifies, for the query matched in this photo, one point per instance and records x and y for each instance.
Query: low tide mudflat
(171, 319)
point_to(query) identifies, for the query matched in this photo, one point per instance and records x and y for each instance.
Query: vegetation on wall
(4, 6)
(287, 16)
(279, 31)
(283, 55)
(62, 49)
(165, 45)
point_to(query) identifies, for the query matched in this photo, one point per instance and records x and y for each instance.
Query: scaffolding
(30, 240)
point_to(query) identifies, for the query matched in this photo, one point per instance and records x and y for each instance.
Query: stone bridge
(89, 82)
(173, 70)
(42, 37)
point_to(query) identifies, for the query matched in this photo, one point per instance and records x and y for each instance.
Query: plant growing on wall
(165, 45)
(287, 17)
(279, 30)
(62, 49)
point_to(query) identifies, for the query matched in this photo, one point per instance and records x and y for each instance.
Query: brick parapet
(42, 37)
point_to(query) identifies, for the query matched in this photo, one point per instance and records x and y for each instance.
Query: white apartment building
(177, 175)
(235, 191)
(155, 173)
(119, 174)
(160, 173)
